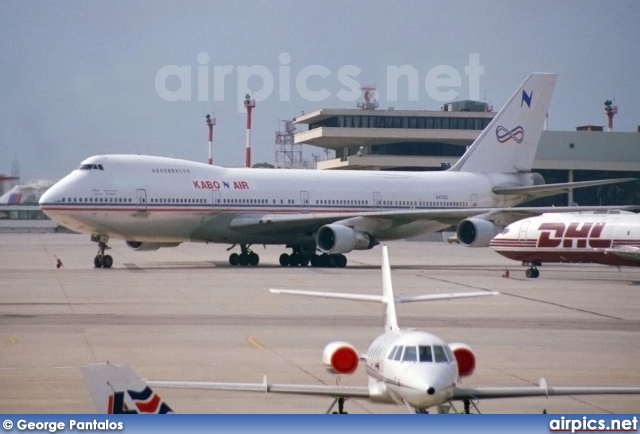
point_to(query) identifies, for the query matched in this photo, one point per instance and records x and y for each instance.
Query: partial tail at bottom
(116, 389)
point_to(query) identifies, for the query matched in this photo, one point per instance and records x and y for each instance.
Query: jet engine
(465, 358)
(340, 358)
(342, 239)
(142, 246)
(476, 232)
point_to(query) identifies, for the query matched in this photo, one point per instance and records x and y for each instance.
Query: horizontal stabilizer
(379, 299)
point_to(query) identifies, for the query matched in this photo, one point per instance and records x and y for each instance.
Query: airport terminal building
(367, 138)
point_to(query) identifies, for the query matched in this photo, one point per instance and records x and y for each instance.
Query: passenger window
(398, 354)
(439, 353)
(409, 354)
(425, 353)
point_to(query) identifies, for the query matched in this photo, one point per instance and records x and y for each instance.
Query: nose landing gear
(532, 272)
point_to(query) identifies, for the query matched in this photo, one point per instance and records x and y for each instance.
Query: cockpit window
(392, 352)
(410, 354)
(439, 353)
(425, 354)
(91, 167)
(398, 354)
(449, 353)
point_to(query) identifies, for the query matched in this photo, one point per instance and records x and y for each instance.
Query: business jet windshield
(421, 353)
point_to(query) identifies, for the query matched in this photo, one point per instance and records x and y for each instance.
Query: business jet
(612, 239)
(404, 367)
(153, 202)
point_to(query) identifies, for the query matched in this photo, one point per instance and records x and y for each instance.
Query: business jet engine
(143, 246)
(335, 239)
(476, 232)
(340, 358)
(465, 358)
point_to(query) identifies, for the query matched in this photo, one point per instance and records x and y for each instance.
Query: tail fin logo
(526, 98)
(504, 135)
(146, 402)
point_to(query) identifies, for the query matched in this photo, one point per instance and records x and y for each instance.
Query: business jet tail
(387, 298)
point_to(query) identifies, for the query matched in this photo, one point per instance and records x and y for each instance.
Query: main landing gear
(101, 260)
(246, 257)
(532, 272)
(301, 257)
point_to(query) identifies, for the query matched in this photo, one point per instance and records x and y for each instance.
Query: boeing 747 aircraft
(154, 202)
(404, 367)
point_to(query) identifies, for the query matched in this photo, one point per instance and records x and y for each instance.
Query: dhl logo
(580, 235)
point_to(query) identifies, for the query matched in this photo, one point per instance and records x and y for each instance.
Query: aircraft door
(141, 193)
(377, 200)
(304, 201)
(523, 231)
(215, 200)
(474, 200)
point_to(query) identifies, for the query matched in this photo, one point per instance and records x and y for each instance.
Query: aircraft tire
(284, 260)
(342, 261)
(529, 273)
(107, 261)
(332, 260)
(254, 259)
(536, 273)
(234, 259)
(314, 261)
(97, 262)
(304, 261)
(243, 259)
(323, 260)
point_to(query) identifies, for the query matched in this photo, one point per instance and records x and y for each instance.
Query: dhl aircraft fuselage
(611, 239)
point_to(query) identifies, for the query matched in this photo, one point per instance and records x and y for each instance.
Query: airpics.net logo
(209, 82)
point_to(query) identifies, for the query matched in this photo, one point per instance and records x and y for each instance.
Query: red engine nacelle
(465, 358)
(340, 358)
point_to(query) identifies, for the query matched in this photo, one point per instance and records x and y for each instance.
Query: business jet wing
(290, 389)
(542, 389)
(538, 191)
(630, 253)
(116, 388)
(311, 222)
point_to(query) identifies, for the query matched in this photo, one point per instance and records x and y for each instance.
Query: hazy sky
(79, 78)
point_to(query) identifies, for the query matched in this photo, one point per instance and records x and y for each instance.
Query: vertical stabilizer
(388, 298)
(510, 141)
(116, 389)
